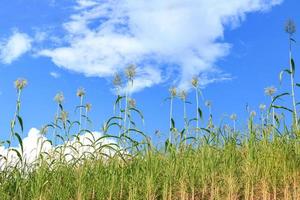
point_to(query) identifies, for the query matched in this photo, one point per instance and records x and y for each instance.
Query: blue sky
(237, 48)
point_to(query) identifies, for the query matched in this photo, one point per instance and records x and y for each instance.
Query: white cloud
(14, 47)
(35, 143)
(86, 3)
(185, 37)
(55, 74)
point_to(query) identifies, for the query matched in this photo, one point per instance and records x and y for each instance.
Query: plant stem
(125, 109)
(120, 115)
(171, 116)
(295, 117)
(86, 118)
(12, 132)
(234, 126)
(55, 124)
(17, 108)
(262, 120)
(197, 107)
(185, 120)
(273, 114)
(80, 113)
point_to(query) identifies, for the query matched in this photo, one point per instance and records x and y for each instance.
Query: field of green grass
(198, 161)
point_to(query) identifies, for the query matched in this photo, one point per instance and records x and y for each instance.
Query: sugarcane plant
(195, 85)
(130, 73)
(80, 93)
(172, 130)
(59, 99)
(290, 29)
(20, 84)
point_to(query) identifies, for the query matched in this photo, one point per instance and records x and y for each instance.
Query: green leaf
(200, 113)
(113, 118)
(18, 154)
(61, 107)
(282, 107)
(118, 99)
(133, 123)
(182, 133)
(205, 129)
(60, 137)
(276, 119)
(139, 112)
(275, 98)
(129, 138)
(107, 136)
(77, 107)
(293, 66)
(107, 126)
(20, 122)
(279, 96)
(293, 40)
(169, 147)
(191, 120)
(20, 141)
(189, 138)
(47, 141)
(282, 73)
(173, 123)
(137, 131)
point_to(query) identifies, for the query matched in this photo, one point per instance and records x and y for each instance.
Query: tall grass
(259, 162)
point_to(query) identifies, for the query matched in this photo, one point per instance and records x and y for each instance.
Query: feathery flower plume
(117, 81)
(80, 92)
(20, 84)
(59, 98)
(130, 72)
(132, 103)
(208, 104)
(173, 92)
(195, 81)
(183, 95)
(290, 27)
(88, 106)
(270, 91)
(262, 107)
(233, 117)
(253, 113)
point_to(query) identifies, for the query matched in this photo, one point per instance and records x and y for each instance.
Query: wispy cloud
(183, 37)
(55, 74)
(14, 47)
